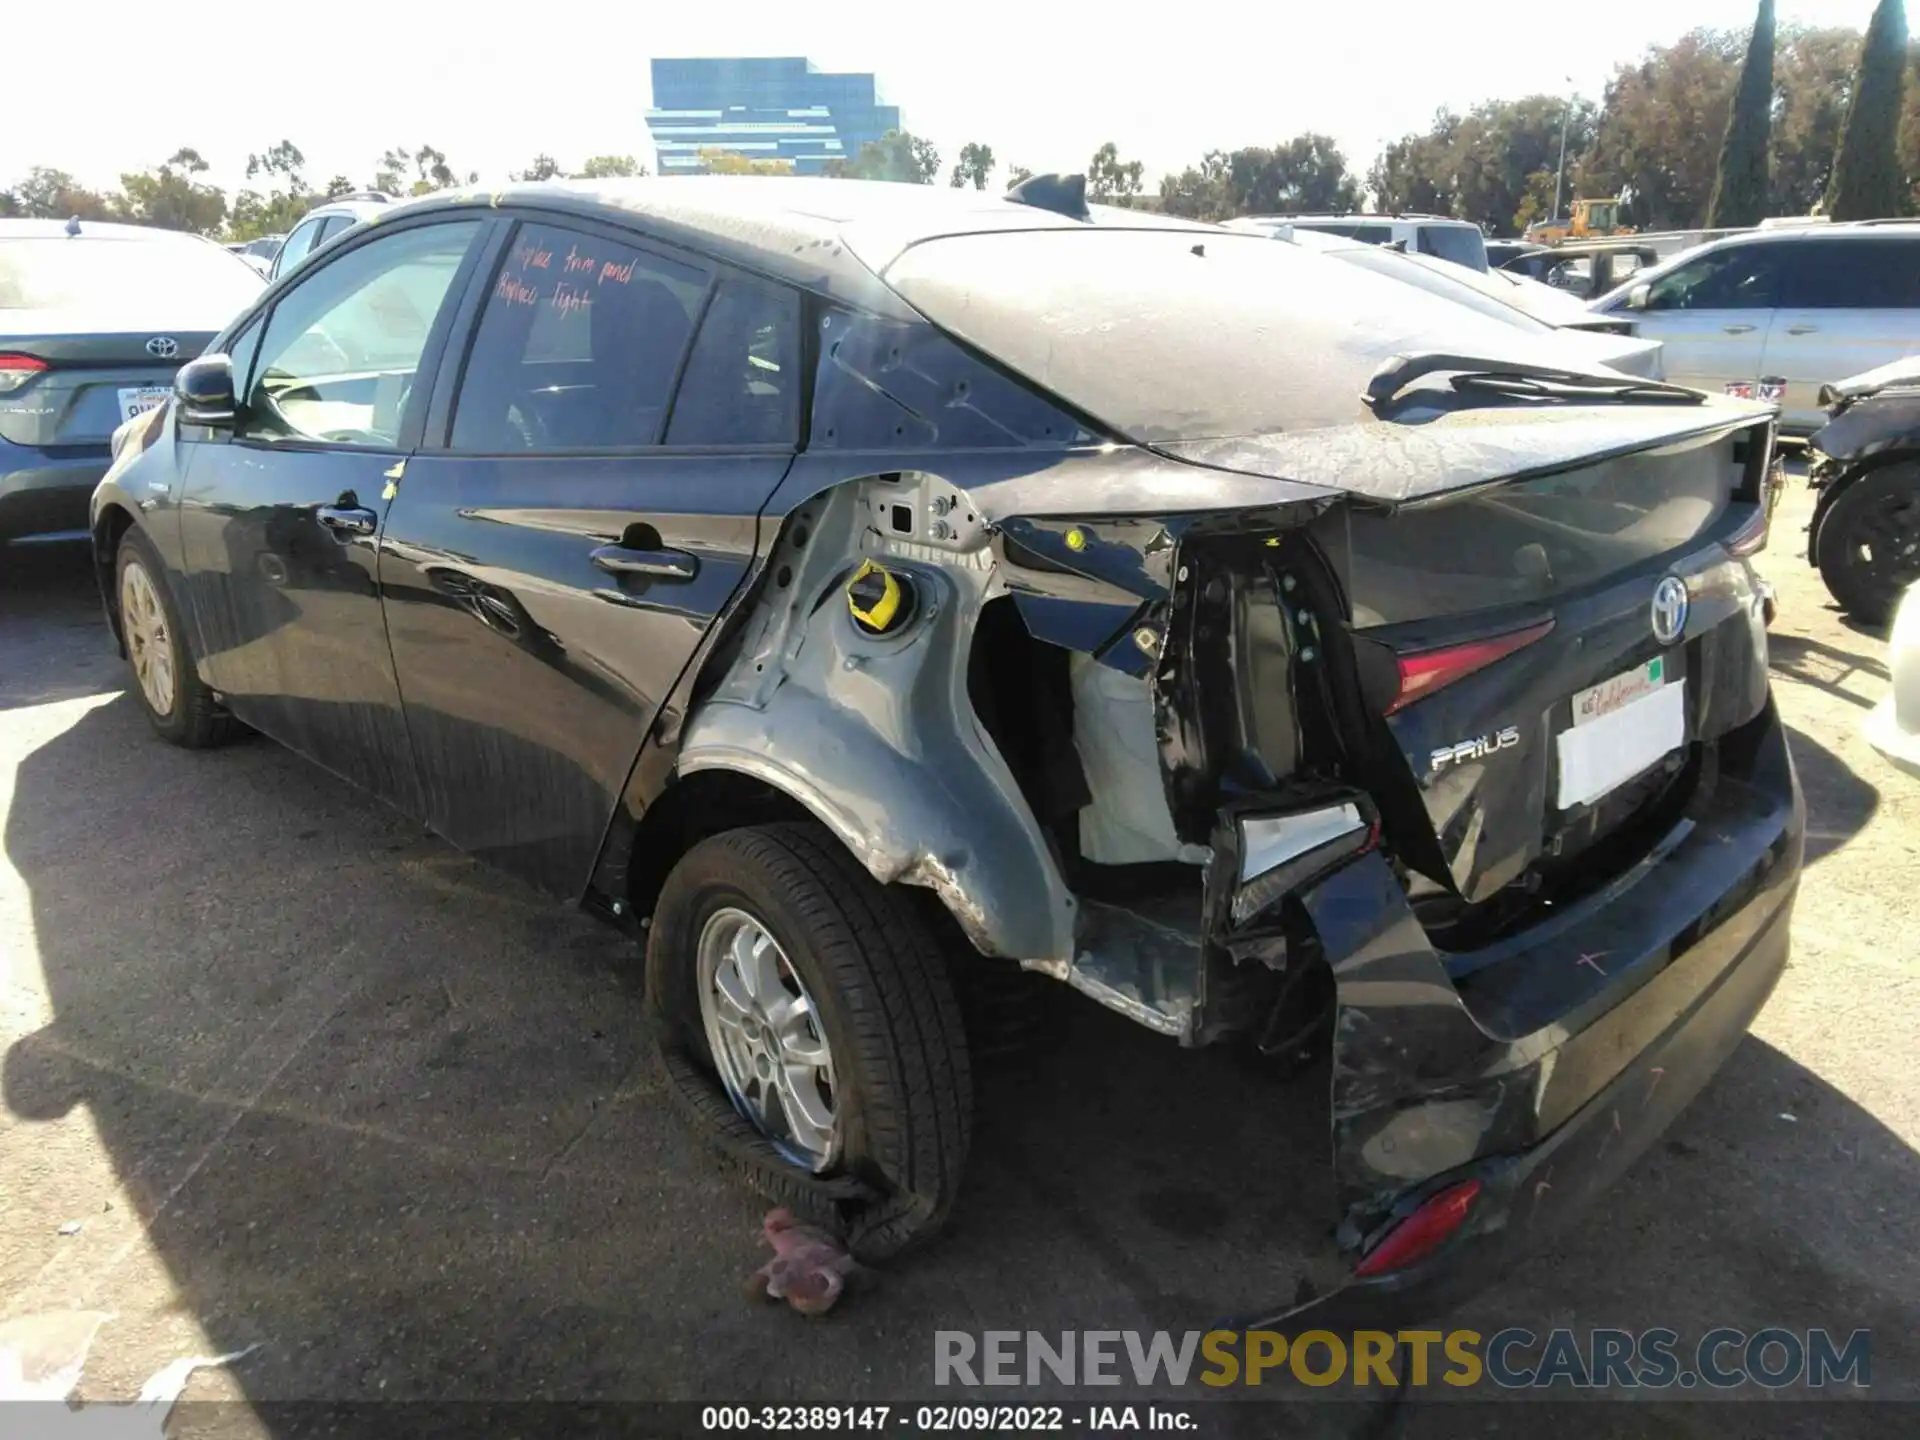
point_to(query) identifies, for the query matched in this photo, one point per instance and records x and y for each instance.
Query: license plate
(1768, 391)
(1620, 727)
(139, 399)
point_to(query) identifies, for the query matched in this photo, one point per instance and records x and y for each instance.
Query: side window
(1744, 277)
(742, 382)
(578, 345)
(341, 347)
(334, 226)
(1877, 274)
(298, 244)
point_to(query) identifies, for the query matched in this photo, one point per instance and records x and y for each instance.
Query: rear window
(1527, 542)
(1187, 335)
(1877, 274)
(80, 272)
(1462, 244)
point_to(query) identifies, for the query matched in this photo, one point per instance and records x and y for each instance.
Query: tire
(1868, 544)
(900, 1086)
(180, 708)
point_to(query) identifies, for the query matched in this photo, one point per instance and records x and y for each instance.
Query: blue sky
(492, 84)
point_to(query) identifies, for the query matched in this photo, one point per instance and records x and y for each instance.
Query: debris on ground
(70, 1227)
(809, 1268)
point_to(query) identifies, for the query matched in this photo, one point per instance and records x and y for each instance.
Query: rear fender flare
(876, 737)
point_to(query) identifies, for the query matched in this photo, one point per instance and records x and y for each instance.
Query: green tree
(1110, 179)
(714, 161)
(610, 167)
(1866, 179)
(336, 187)
(1201, 192)
(390, 175)
(170, 198)
(1017, 173)
(1308, 174)
(897, 155)
(1506, 153)
(1650, 147)
(278, 207)
(49, 194)
(1740, 191)
(1415, 173)
(544, 167)
(973, 167)
(1812, 83)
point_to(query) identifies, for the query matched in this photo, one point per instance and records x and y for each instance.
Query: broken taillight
(1421, 1232)
(1426, 671)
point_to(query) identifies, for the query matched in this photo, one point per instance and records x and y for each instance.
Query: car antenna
(73, 225)
(1062, 194)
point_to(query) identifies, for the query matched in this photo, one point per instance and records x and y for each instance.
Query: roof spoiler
(1062, 194)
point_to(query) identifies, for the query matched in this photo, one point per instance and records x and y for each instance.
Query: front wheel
(810, 1031)
(1868, 545)
(178, 706)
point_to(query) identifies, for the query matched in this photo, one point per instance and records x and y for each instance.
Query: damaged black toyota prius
(844, 584)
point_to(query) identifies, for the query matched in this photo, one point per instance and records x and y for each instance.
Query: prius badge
(1477, 748)
(1669, 609)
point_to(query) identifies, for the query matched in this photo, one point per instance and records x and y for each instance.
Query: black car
(846, 586)
(1865, 464)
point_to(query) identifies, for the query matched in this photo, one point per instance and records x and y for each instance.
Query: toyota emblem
(163, 347)
(1669, 609)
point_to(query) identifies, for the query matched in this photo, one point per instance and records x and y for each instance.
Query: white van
(1457, 240)
(1790, 308)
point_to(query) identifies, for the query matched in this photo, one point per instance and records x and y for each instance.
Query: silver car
(1783, 311)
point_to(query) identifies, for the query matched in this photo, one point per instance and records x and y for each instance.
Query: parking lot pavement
(306, 1079)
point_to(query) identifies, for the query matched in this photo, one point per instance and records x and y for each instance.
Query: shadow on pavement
(385, 1114)
(1839, 802)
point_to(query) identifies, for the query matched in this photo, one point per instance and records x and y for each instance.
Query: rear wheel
(1868, 547)
(809, 1031)
(178, 706)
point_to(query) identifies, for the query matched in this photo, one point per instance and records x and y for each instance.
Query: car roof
(358, 209)
(94, 230)
(1351, 217)
(829, 235)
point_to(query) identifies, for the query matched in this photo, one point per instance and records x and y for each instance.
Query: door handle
(1803, 329)
(1737, 329)
(654, 564)
(348, 519)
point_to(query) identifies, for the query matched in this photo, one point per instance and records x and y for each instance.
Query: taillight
(1421, 1232)
(17, 370)
(1426, 671)
(1751, 537)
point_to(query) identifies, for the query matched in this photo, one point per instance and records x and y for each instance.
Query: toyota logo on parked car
(1669, 609)
(163, 347)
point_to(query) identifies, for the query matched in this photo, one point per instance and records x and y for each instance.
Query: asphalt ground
(283, 1071)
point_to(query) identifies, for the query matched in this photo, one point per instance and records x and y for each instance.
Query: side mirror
(204, 392)
(1639, 295)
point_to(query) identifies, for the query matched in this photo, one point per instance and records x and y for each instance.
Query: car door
(280, 517)
(1712, 313)
(585, 506)
(1851, 303)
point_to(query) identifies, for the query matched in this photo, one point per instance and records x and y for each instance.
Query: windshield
(93, 273)
(1462, 244)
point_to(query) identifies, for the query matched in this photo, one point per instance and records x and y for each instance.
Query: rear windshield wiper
(1507, 377)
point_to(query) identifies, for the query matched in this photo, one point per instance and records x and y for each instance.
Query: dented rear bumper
(1543, 1067)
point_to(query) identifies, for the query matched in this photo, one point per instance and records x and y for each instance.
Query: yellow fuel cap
(878, 599)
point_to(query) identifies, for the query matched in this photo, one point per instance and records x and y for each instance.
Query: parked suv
(1460, 241)
(853, 589)
(324, 223)
(1782, 311)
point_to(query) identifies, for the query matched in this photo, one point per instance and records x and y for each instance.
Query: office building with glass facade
(780, 109)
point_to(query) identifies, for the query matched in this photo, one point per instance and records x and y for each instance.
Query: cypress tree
(1740, 184)
(1866, 174)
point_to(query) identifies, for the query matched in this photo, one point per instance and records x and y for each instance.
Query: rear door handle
(348, 519)
(1737, 329)
(654, 564)
(1803, 329)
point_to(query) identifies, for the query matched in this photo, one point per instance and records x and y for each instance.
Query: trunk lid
(1543, 667)
(91, 383)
